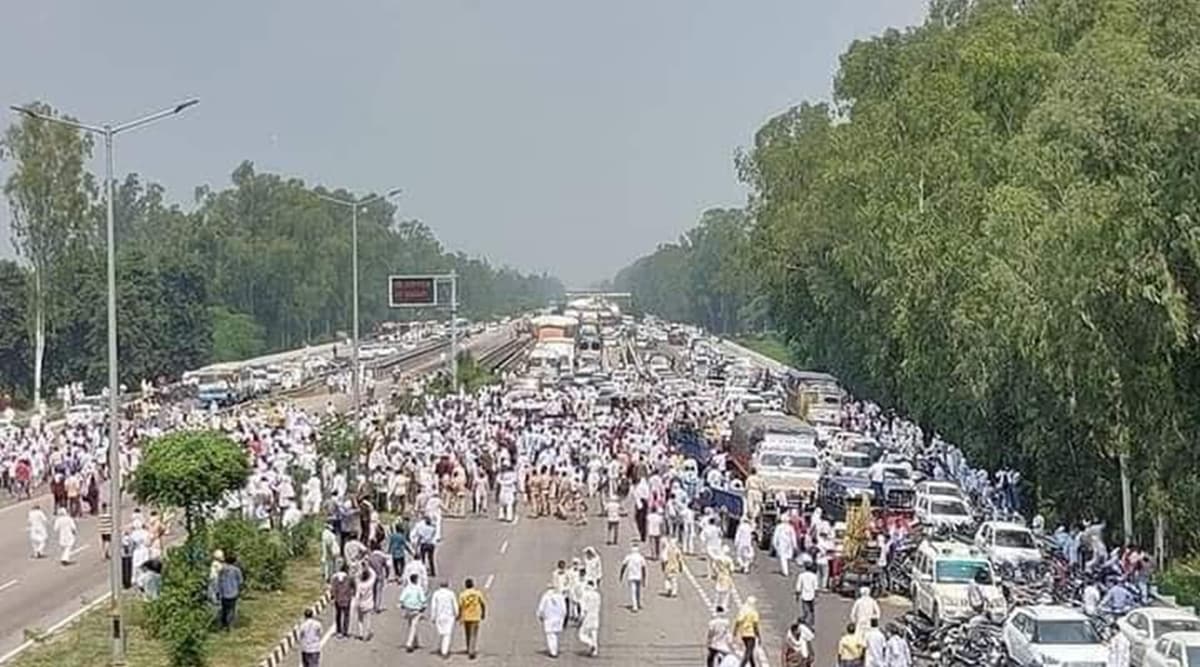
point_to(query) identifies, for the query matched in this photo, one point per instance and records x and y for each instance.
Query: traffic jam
(881, 507)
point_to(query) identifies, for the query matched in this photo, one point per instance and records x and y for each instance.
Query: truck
(751, 430)
(775, 456)
(816, 398)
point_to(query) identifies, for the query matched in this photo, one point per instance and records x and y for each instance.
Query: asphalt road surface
(513, 563)
(39, 594)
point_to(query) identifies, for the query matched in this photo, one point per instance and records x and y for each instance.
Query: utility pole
(454, 330)
(109, 131)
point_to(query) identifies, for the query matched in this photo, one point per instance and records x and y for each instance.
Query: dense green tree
(14, 334)
(191, 470)
(235, 335)
(48, 191)
(263, 264)
(993, 227)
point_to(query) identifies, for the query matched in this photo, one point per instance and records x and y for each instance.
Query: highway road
(38, 594)
(514, 562)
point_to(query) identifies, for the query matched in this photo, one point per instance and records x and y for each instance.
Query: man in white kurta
(784, 542)
(443, 612)
(589, 625)
(863, 610)
(552, 612)
(312, 496)
(743, 545)
(67, 532)
(39, 531)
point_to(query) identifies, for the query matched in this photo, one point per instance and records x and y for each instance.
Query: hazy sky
(550, 135)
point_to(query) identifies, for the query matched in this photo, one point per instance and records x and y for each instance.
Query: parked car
(1145, 625)
(1174, 649)
(1052, 635)
(942, 511)
(942, 572)
(936, 488)
(1008, 542)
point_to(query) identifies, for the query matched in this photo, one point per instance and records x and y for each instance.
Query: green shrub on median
(181, 618)
(262, 554)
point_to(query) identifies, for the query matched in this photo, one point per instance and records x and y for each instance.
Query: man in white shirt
(633, 571)
(612, 514)
(875, 473)
(309, 635)
(719, 637)
(654, 531)
(876, 653)
(806, 594)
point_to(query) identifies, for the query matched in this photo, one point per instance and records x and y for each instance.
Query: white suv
(1009, 542)
(1052, 635)
(942, 511)
(942, 573)
(1175, 649)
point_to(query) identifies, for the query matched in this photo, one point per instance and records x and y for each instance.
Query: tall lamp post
(354, 205)
(108, 131)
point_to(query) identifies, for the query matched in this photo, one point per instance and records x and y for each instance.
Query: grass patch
(768, 346)
(263, 618)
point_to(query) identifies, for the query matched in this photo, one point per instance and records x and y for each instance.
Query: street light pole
(114, 427)
(355, 373)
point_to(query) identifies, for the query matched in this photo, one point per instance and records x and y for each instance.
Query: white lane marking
(56, 627)
(8, 584)
(504, 547)
(737, 600)
(328, 634)
(488, 584)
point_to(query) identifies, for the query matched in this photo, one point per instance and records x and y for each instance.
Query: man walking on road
(806, 595)
(310, 640)
(412, 603)
(424, 536)
(719, 638)
(472, 609)
(104, 526)
(589, 625)
(342, 590)
(330, 548)
(39, 531)
(612, 515)
(443, 611)
(68, 532)
(552, 612)
(745, 626)
(672, 565)
(633, 571)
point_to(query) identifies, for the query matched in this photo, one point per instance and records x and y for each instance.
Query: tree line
(261, 265)
(992, 227)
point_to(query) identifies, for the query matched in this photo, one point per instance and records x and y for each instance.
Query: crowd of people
(485, 455)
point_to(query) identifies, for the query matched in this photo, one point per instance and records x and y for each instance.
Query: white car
(82, 414)
(1052, 635)
(933, 488)
(942, 573)
(1144, 626)
(1174, 649)
(942, 511)
(852, 463)
(1008, 542)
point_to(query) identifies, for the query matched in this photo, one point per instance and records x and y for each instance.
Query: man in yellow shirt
(472, 609)
(850, 648)
(745, 627)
